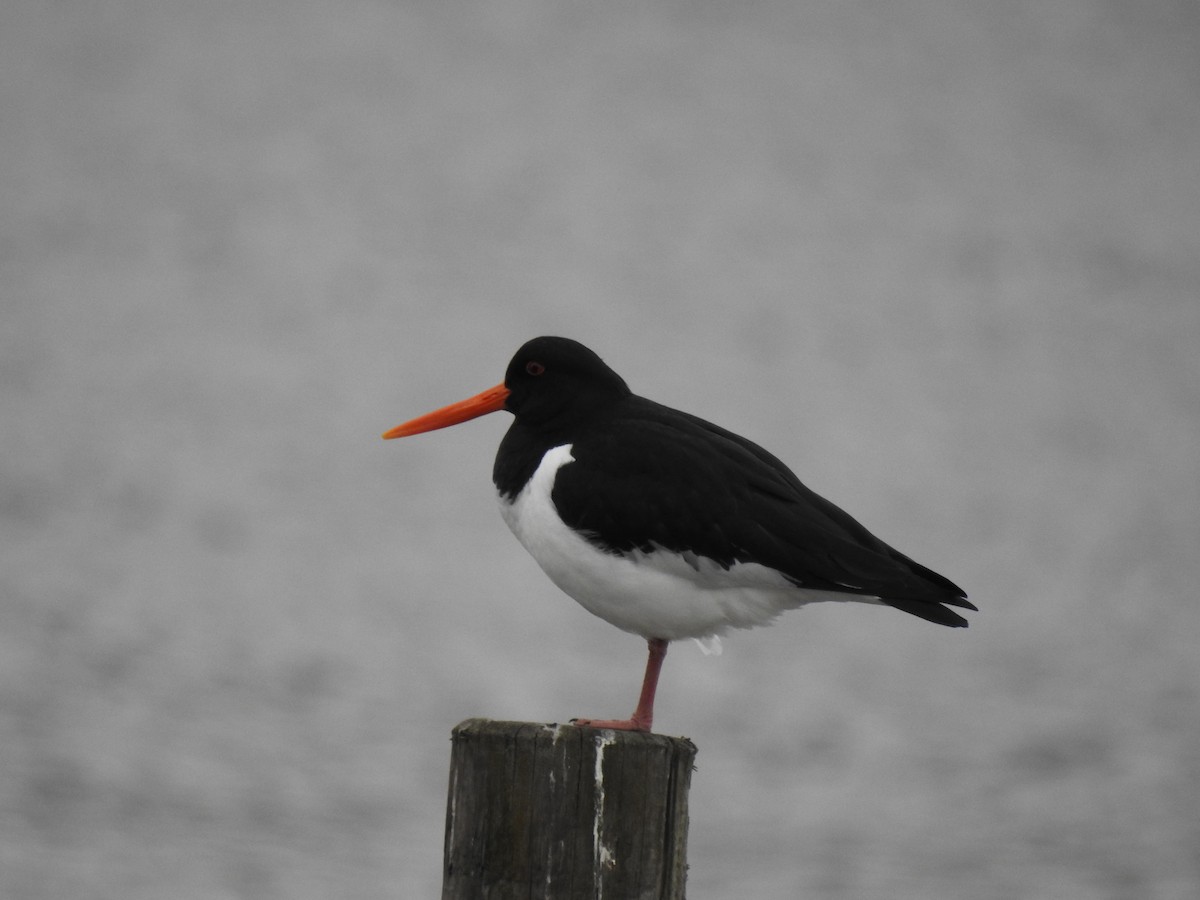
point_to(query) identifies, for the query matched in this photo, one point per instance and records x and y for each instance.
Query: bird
(665, 525)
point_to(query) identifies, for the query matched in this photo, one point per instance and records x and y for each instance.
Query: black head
(555, 378)
(551, 383)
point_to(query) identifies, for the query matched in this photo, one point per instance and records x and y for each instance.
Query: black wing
(648, 476)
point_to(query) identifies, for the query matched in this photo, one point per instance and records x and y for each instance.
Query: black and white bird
(666, 525)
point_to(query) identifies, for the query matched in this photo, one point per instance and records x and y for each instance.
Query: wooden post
(567, 813)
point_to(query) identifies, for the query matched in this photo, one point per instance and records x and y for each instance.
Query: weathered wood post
(565, 813)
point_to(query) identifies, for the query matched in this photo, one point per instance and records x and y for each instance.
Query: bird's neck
(519, 455)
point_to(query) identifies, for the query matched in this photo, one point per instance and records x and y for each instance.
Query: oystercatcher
(666, 525)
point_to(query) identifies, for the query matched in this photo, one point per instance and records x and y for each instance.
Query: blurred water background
(942, 257)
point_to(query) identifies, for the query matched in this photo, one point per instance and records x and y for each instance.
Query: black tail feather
(932, 610)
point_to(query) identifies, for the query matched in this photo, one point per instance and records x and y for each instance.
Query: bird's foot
(631, 724)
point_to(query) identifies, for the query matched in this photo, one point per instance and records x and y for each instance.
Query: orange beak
(489, 401)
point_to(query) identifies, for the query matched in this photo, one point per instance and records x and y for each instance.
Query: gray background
(942, 257)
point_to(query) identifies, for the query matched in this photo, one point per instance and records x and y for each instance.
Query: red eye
(535, 368)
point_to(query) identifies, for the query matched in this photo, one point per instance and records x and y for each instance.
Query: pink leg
(643, 716)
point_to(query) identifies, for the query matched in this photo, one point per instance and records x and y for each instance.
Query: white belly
(657, 594)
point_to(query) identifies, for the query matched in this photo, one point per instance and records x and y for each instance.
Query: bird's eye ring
(535, 368)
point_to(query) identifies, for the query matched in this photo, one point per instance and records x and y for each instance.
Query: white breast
(657, 594)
